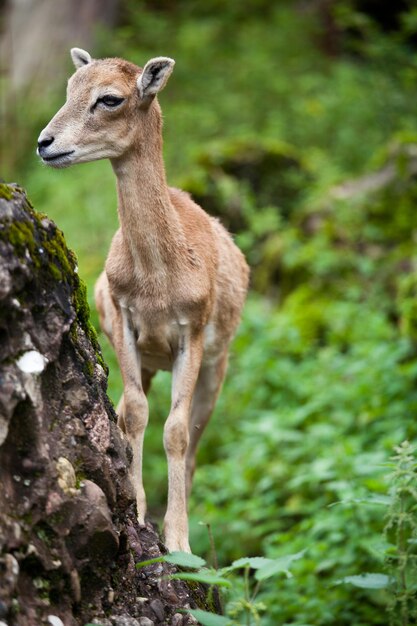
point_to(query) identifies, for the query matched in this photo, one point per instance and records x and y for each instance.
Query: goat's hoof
(141, 521)
(177, 545)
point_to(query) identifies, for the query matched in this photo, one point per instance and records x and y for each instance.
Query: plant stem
(247, 597)
(403, 562)
(213, 554)
(256, 590)
(213, 551)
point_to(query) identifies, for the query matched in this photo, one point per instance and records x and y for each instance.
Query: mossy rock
(40, 244)
(69, 531)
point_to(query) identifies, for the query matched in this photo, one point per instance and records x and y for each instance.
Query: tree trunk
(69, 539)
(37, 35)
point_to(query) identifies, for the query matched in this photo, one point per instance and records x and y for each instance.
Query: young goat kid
(174, 282)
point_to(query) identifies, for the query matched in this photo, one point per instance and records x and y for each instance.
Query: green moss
(6, 192)
(210, 601)
(203, 602)
(79, 479)
(88, 369)
(49, 253)
(27, 519)
(44, 587)
(57, 519)
(15, 607)
(79, 299)
(20, 235)
(46, 251)
(55, 271)
(43, 536)
(57, 249)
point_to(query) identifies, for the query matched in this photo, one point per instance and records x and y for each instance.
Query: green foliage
(241, 591)
(210, 619)
(401, 538)
(401, 533)
(181, 559)
(320, 417)
(368, 581)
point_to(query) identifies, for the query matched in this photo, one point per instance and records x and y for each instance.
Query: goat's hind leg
(176, 438)
(206, 392)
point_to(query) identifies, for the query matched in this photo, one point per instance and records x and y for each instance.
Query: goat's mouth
(57, 160)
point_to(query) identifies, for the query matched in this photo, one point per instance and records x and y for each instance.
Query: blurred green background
(296, 124)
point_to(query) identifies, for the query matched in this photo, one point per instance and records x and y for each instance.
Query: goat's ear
(154, 77)
(80, 57)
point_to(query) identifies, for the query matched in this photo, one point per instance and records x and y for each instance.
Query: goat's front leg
(133, 417)
(176, 438)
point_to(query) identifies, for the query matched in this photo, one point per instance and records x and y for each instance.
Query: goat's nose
(44, 143)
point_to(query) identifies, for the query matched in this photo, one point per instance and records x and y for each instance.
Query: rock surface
(69, 539)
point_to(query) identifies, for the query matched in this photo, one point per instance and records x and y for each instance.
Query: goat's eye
(110, 101)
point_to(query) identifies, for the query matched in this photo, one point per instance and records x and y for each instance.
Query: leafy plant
(401, 532)
(242, 590)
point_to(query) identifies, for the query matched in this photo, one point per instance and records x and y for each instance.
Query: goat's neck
(149, 223)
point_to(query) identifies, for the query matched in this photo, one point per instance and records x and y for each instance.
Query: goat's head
(110, 107)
